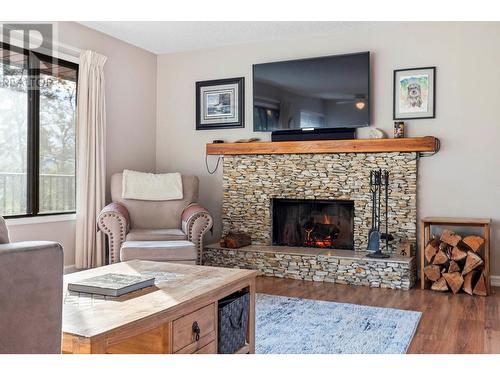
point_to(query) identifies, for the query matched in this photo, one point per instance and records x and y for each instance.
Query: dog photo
(414, 93)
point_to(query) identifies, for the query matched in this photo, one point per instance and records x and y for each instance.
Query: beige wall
(61, 231)
(130, 74)
(462, 180)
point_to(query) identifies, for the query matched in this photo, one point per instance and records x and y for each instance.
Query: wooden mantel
(420, 144)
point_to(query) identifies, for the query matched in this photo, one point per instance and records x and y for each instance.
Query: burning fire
(327, 242)
(312, 241)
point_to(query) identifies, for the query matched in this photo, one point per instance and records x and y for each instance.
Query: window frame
(33, 131)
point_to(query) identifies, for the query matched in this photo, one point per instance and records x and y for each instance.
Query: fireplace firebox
(313, 223)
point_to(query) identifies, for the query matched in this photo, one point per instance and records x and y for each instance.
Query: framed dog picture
(414, 93)
(219, 104)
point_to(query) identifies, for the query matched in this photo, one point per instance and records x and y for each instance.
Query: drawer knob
(196, 330)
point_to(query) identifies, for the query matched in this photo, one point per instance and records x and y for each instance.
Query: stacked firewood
(454, 263)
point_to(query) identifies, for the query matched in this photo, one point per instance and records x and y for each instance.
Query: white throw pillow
(151, 187)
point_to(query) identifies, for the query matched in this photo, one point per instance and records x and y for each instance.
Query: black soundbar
(313, 134)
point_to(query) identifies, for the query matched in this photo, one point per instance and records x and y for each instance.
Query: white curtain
(90, 160)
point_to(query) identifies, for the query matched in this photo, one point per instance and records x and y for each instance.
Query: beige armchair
(31, 292)
(175, 225)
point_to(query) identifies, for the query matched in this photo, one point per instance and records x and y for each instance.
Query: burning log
(320, 234)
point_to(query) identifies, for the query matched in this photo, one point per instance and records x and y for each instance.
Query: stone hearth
(337, 266)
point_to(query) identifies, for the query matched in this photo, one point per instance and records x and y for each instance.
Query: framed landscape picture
(219, 104)
(414, 93)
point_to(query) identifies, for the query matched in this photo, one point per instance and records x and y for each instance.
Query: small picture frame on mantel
(219, 104)
(414, 94)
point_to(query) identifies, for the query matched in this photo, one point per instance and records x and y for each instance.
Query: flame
(325, 243)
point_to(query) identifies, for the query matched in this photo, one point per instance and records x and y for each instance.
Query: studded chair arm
(114, 221)
(196, 221)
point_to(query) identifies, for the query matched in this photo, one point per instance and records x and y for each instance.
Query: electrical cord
(216, 165)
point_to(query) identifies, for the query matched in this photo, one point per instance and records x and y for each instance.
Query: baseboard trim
(495, 280)
(70, 269)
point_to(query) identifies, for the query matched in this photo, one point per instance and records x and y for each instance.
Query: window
(266, 113)
(311, 120)
(266, 118)
(37, 133)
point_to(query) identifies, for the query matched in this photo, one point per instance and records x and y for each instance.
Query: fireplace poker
(376, 178)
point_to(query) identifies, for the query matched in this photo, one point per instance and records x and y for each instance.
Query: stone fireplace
(306, 213)
(253, 182)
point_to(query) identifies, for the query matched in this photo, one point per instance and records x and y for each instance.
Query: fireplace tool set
(379, 180)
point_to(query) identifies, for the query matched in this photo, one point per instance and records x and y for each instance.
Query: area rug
(286, 325)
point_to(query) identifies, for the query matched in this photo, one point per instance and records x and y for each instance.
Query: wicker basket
(233, 322)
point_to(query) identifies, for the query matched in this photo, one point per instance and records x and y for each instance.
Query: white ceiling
(176, 36)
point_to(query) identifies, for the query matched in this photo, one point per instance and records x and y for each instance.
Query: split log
(455, 264)
(431, 249)
(453, 267)
(440, 258)
(450, 237)
(440, 285)
(473, 261)
(457, 254)
(480, 288)
(454, 280)
(433, 272)
(474, 242)
(234, 240)
(445, 248)
(468, 282)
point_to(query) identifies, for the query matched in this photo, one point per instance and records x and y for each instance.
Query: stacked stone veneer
(251, 181)
(394, 274)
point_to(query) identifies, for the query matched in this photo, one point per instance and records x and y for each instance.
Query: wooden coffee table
(158, 319)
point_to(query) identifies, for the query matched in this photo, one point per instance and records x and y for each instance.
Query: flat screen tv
(323, 92)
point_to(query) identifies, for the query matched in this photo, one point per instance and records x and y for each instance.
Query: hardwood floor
(449, 324)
